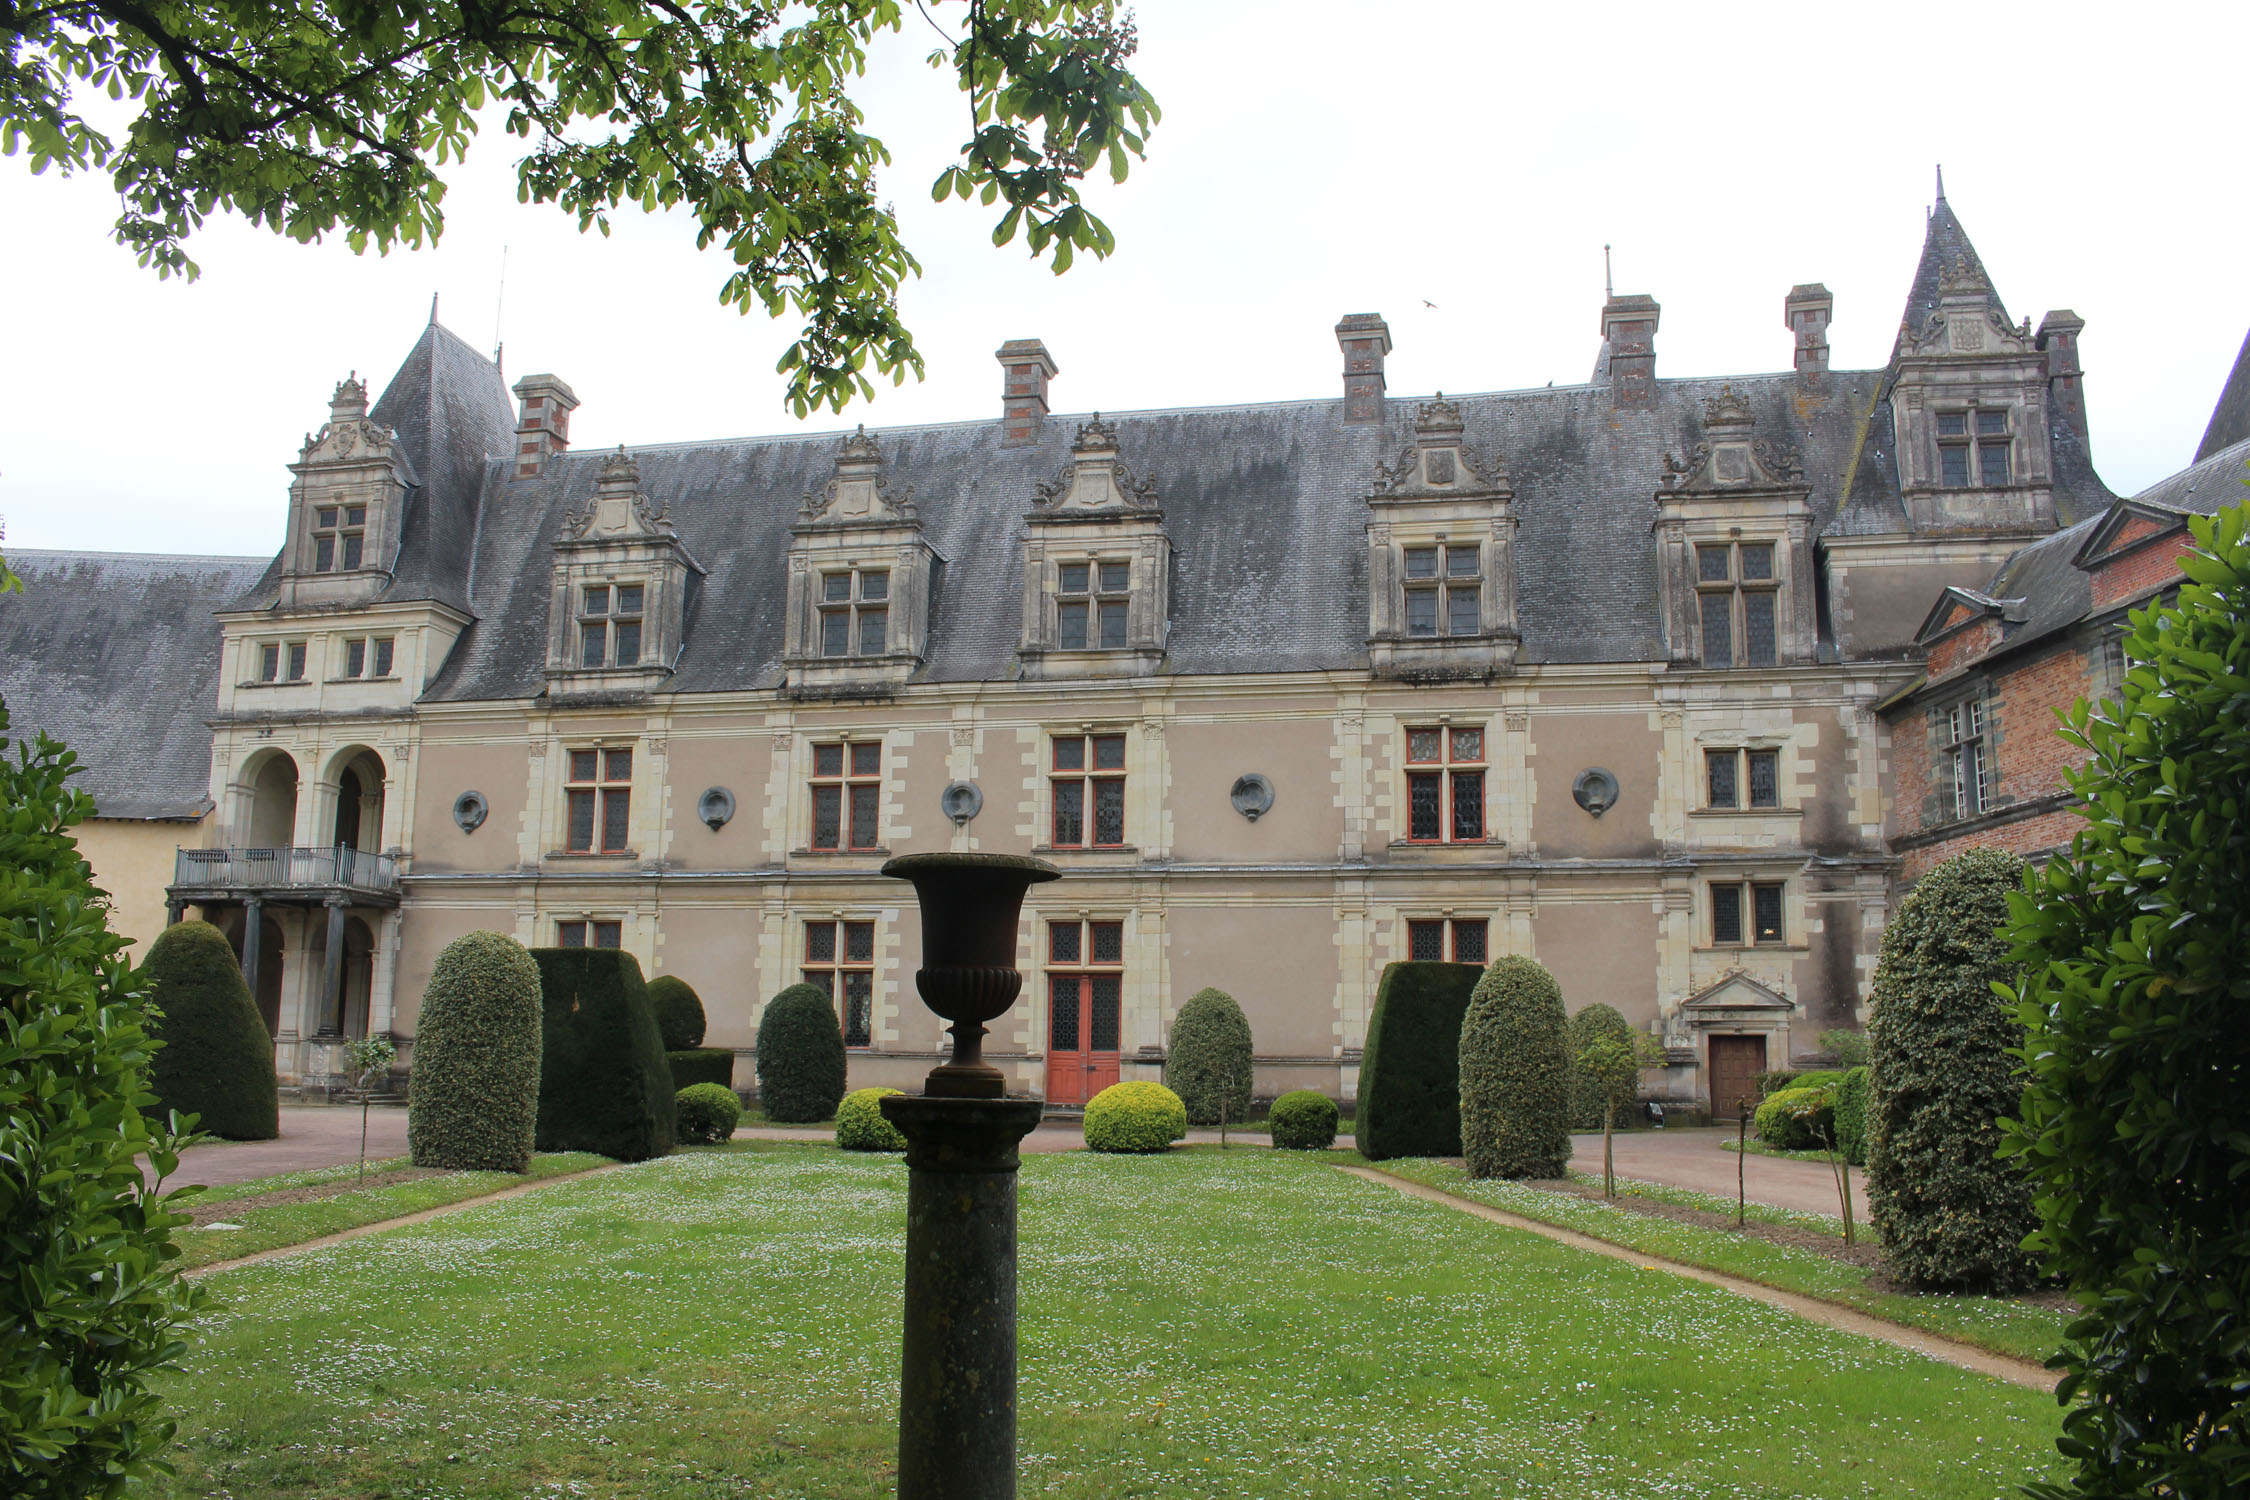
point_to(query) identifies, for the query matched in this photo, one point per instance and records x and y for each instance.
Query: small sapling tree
(365, 1057)
(1611, 1065)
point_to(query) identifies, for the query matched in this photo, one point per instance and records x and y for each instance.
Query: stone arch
(348, 1017)
(271, 956)
(268, 786)
(356, 774)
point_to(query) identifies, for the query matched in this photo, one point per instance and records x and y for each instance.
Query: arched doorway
(359, 801)
(273, 804)
(348, 1016)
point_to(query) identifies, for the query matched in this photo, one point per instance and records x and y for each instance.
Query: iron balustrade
(285, 869)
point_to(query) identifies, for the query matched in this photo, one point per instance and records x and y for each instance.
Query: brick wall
(2148, 567)
(1964, 646)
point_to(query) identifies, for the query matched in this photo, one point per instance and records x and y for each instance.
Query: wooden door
(1736, 1062)
(1082, 1030)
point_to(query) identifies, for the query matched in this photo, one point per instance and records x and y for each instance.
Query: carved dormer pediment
(617, 510)
(859, 493)
(1096, 481)
(1733, 995)
(347, 504)
(1731, 456)
(1439, 464)
(350, 435)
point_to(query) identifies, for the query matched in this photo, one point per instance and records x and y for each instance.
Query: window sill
(1043, 850)
(1746, 812)
(587, 854)
(393, 677)
(878, 852)
(1484, 843)
(286, 682)
(1742, 948)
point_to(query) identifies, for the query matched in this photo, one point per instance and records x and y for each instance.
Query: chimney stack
(2058, 335)
(1365, 339)
(1806, 311)
(1023, 394)
(1629, 328)
(542, 422)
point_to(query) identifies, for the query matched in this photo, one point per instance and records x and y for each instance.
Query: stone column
(253, 929)
(332, 971)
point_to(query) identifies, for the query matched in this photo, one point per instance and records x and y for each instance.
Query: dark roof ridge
(2230, 417)
(259, 560)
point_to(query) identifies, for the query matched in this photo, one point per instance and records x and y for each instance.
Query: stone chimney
(1806, 311)
(1365, 339)
(1023, 394)
(1629, 329)
(542, 421)
(2058, 335)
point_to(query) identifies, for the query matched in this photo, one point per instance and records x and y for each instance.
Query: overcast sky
(1455, 167)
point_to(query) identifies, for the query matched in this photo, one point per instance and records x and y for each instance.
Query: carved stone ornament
(715, 807)
(617, 506)
(961, 801)
(1096, 479)
(858, 492)
(1439, 461)
(1731, 457)
(1252, 796)
(1595, 790)
(348, 429)
(469, 811)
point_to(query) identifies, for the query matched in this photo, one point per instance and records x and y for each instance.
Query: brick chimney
(2058, 335)
(1806, 311)
(542, 421)
(1023, 393)
(1629, 328)
(1365, 339)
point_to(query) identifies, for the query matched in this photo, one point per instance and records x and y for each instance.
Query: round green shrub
(1515, 1074)
(1796, 1119)
(1849, 1048)
(801, 1067)
(1819, 1078)
(474, 1103)
(706, 1113)
(1584, 1029)
(860, 1125)
(1952, 1214)
(679, 1013)
(1851, 1117)
(703, 1065)
(1208, 1064)
(1135, 1117)
(217, 1059)
(1303, 1120)
(604, 1083)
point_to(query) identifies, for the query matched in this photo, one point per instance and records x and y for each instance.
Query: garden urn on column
(957, 1385)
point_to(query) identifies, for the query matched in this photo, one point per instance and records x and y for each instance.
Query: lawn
(1251, 1323)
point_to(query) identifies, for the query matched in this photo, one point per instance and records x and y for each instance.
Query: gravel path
(312, 1135)
(1695, 1158)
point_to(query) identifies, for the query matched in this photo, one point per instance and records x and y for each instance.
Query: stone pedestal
(957, 1390)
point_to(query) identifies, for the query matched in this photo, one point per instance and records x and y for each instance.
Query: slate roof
(2230, 419)
(1944, 241)
(117, 656)
(2204, 486)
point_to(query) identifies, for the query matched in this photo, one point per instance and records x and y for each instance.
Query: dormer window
(609, 624)
(1736, 593)
(339, 537)
(1973, 442)
(1444, 584)
(855, 612)
(1092, 605)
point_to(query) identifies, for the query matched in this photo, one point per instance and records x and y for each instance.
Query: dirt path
(1695, 1157)
(1929, 1345)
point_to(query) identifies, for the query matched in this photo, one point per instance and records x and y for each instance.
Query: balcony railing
(280, 870)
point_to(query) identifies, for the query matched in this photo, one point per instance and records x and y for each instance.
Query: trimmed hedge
(1410, 1072)
(1952, 1214)
(1774, 1081)
(216, 1061)
(705, 1113)
(1208, 1063)
(474, 1104)
(1819, 1078)
(1587, 1106)
(1135, 1117)
(801, 1065)
(604, 1084)
(1303, 1120)
(860, 1125)
(679, 1012)
(1797, 1119)
(703, 1065)
(1851, 1117)
(1515, 1074)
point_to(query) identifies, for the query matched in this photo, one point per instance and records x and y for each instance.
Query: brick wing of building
(1595, 673)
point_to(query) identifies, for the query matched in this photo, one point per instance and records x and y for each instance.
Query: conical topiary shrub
(1515, 1074)
(475, 1096)
(800, 1056)
(1208, 1063)
(604, 1085)
(1585, 1028)
(679, 1012)
(217, 1060)
(1410, 1073)
(1951, 1212)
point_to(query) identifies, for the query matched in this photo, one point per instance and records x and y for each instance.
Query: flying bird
(1432, 306)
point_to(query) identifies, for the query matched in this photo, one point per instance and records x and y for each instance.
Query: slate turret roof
(117, 656)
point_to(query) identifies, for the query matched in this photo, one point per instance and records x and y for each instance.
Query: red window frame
(602, 934)
(1445, 784)
(1457, 940)
(598, 797)
(1086, 786)
(847, 795)
(840, 958)
(1081, 955)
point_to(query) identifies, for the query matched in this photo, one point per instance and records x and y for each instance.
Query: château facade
(1289, 691)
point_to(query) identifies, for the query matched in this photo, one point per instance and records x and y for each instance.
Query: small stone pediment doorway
(1739, 1024)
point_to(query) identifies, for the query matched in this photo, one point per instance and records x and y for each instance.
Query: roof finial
(1609, 285)
(1941, 182)
(433, 309)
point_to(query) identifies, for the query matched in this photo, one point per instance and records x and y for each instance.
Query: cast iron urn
(971, 905)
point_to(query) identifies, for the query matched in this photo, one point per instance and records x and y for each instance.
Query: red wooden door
(1082, 1029)
(1736, 1062)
